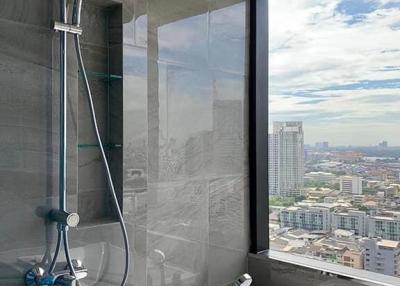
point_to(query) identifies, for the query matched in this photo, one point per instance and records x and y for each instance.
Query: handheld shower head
(243, 280)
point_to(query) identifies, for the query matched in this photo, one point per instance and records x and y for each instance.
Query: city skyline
(347, 94)
(331, 145)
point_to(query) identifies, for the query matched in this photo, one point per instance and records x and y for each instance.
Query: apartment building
(381, 256)
(286, 159)
(352, 220)
(386, 226)
(309, 218)
(351, 184)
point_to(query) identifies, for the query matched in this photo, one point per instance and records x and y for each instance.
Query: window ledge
(360, 275)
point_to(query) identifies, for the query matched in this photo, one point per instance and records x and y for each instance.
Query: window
(333, 163)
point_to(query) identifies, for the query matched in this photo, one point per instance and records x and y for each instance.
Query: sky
(335, 65)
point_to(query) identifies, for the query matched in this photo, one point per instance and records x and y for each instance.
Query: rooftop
(388, 243)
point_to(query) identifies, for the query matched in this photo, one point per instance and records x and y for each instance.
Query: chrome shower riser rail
(62, 230)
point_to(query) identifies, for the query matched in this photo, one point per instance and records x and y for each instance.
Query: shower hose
(62, 234)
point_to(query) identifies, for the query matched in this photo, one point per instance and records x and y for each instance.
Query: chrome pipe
(62, 190)
(76, 16)
(63, 110)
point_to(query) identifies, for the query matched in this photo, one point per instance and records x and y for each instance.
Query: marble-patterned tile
(86, 133)
(116, 116)
(229, 213)
(141, 25)
(24, 219)
(174, 124)
(129, 32)
(175, 261)
(35, 12)
(115, 60)
(94, 23)
(42, 42)
(229, 124)
(91, 170)
(227, 28)
(100, 247)
(225, 265)
(185, 112)
(29, 116)
(95, 60)
(135, 31)
(198, 155)
(93, 205)
(179, 209)
(182, 35)
(135, 129)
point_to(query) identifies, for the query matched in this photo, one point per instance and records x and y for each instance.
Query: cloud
(315, 101)
(324, 68)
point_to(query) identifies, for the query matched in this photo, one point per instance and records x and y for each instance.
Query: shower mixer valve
(37, 276)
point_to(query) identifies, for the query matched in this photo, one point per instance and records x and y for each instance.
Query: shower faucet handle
(37, 277)
(65, 279)
(64, 218)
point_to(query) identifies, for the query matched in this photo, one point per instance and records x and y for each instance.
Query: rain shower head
(243, 280)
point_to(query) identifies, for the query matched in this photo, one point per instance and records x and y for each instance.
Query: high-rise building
(286, 159)
(274, 164)
(322, 145)
(381, 256)
(351, 184)
(355, 221)
(309, 218)
(383, 144)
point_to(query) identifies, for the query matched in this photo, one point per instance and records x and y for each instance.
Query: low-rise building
(385, 225)
(309, 218)
(352, 220)
(332, 249)
(359, 199)
(381, 256)
(353, 258)
(321, 177)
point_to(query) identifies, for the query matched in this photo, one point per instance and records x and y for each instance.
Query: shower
(74, 270)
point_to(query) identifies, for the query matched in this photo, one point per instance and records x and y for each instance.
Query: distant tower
(383, 144)
(286, 158)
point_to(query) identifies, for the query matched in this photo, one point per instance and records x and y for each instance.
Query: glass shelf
(106, 146)
(103, 76)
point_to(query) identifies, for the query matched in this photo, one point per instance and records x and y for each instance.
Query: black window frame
(258, 126)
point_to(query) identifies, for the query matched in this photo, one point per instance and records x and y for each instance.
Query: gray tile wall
(185, 71)
(29, 88)
(184, 169)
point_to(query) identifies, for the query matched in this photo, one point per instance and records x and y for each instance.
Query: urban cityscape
(338, 204)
